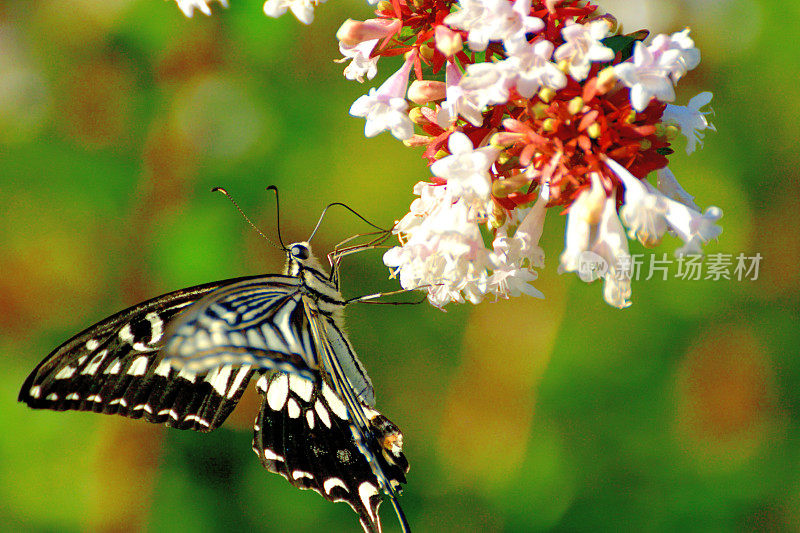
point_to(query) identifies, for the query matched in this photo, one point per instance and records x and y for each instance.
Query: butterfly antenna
(277, 214)
(236, 205)
(319, 222)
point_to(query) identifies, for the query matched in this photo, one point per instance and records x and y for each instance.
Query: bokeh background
(118, 116)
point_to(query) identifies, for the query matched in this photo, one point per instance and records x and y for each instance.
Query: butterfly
(185, 358)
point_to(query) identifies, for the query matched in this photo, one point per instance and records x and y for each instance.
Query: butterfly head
(299, 258)
(300, 251)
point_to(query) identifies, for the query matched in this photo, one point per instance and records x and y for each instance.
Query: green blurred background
(118, 116)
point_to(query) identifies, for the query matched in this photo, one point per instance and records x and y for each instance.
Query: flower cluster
(522, 106)
(547, 105)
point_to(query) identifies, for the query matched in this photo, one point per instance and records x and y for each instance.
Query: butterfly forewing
(303, 433)
(115, 367)
(259, 322)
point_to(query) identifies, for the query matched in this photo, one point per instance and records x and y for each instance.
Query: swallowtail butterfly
(185, 358)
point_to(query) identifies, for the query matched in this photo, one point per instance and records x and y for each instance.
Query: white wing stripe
(65, 373)
(332, 482)
(163, 369)
(302, 387)
(365, 491)
(139, 366)
(238, 381)
(277, 392)
(95, 363)
(283, 323)
(219, 379)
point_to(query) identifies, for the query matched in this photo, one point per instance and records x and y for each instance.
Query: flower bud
(504, 139)
(448, 42)
(352, 32)
(575, 105)
(611, 20)
(418, 140)
(546, 94)
(423, 91)
(503, 187)
(539, 110)
(606, 80)
(426, 51)
(417, 117)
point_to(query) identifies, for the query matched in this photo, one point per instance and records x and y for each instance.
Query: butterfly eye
(300, 252)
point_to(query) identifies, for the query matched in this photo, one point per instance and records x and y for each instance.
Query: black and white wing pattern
(303, 432)
(116, 367)
(185, 358)
(259, 322)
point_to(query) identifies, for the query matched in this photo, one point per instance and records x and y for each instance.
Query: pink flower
(583, 46)
(385, 107)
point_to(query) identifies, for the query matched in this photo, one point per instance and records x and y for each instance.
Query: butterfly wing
(303, 432)
(347, 378)
(117, 367)
(259, 322)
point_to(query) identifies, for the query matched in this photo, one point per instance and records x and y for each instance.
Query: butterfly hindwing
(303, 433)
(116, 367)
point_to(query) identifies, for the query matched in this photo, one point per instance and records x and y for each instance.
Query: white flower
(584, 213)
(687, 57)
(612, 245)
(583, 46)
(385, 107)
(188, 6)
(430, 197)
(656, 68)
(443, 252)
(648, 214)
(529, 232)
(595, 243)
(507, 281)
(362, 64)
(493, 20)
(468, 15)
(523, 248)
(303, 10)
(458, 102)
(690, 119)
(513, 257)
(533, 67)
(488, 83)
(467, 171)
(648, 76)
(668, 185)
(693, 228)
